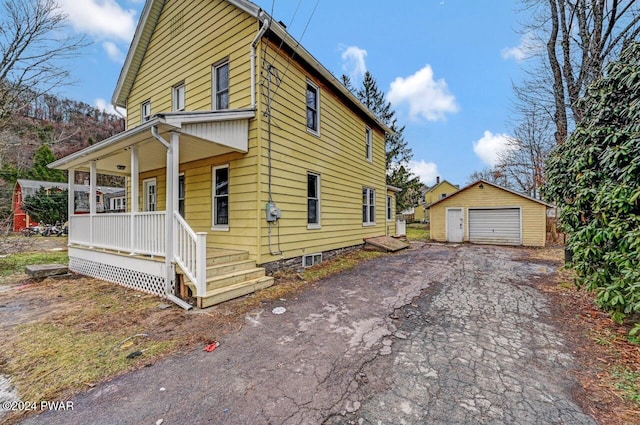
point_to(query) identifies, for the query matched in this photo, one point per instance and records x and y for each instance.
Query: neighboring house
(440, 190)
(241, 149)
(115, 202)
(484, 212)
(26, 188)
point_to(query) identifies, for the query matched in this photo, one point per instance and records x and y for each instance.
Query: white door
(500, 226)
(455, 225)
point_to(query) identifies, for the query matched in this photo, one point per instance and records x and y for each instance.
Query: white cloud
(529, 46)
(490, 146)
(426, 97)
(427, 171)
(107, 107)
(100, 18)
(354, 62)
(114, 53)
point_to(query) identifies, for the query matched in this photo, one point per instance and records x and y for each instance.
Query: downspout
(266, 22)
(169, 233)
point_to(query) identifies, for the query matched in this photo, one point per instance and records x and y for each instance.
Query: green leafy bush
(594, 177)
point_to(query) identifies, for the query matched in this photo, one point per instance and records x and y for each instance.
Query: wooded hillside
(62, 125)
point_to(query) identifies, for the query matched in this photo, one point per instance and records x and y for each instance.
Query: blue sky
(447, 66)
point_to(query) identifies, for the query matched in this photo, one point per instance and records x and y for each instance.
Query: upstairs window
(368, 206)
(221, 86)
(145, 111)
(313, 108)
(368, 144)
(178, 97)
(313, 200)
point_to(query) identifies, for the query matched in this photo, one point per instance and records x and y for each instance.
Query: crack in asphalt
(439, 335)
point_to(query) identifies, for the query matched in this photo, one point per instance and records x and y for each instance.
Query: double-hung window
(221, 198)
(178, 97)
(313, 108)
(368, 206)
(145, 111)
(313, 201)
(221, 86)
(368, 144)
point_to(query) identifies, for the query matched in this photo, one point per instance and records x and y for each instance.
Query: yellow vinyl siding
(533, 214)
(338, 156)
(213, 30)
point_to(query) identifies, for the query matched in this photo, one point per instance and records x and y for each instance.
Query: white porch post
(71, 200)
(173, 159)
(134, 197)
(92, 199)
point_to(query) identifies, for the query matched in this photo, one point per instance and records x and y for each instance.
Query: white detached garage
(486, 213)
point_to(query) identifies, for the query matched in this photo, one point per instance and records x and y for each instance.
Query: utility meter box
(273, 212)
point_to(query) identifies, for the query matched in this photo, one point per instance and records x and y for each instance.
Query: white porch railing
(191, 253)
(113, 231)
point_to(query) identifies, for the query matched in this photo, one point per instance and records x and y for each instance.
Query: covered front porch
(146, 247)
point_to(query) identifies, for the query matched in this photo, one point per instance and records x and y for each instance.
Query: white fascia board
(177, 119)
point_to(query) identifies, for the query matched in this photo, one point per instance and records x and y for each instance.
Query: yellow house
(438, 191)
(484, 212)
(241, 150)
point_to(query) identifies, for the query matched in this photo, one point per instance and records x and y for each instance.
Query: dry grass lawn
(62, 336)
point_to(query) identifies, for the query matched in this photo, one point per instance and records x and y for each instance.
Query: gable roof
(437, 185)
(453, 195)
(147, 24)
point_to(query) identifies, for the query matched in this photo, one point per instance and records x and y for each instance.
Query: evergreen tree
(40, 171)
(398, 152)
(594, 177)
(47, 206)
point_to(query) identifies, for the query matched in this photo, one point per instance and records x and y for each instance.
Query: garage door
(495, 226)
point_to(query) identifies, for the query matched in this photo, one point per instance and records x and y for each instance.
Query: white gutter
(265, 26)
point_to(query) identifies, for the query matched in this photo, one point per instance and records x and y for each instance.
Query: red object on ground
(209, 348)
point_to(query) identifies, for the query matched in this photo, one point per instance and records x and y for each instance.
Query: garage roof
(453, 195)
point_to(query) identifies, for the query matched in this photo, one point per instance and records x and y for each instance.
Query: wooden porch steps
(219, 295)
(230, 274)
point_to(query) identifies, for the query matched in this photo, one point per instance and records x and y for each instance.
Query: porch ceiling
(201, 136)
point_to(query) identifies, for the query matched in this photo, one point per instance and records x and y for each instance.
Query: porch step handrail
(191, 253)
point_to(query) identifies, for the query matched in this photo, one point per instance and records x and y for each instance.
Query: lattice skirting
(133, 279)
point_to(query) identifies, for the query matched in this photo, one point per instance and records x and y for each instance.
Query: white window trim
(219, 227)
(214, 92)
(144, 118)
(388, 208)
(146, 183)
(315, 132)
(369, 143)
(318, 185)
(175, 96)
(184, 194)
(370, 223)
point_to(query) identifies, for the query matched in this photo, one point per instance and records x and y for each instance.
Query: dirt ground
(599, 344)
(102, 311)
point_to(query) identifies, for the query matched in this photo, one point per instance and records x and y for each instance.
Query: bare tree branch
(34, 45)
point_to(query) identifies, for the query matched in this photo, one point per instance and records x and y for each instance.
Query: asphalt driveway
(435, 335)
